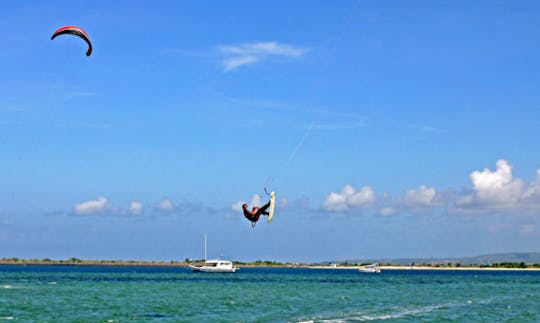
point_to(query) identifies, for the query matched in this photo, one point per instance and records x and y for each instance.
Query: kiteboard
(272, 206)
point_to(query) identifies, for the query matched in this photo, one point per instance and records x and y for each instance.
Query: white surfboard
(272, 206)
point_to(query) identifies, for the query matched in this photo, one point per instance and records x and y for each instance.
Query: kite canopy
(74, 30)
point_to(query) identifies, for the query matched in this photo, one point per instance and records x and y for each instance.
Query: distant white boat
(214, 265)
(370, 269)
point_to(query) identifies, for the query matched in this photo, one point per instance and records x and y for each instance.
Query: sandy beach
(423, 268)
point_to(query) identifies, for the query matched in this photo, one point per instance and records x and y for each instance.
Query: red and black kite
(74, 30)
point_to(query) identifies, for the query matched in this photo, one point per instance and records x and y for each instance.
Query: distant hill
(489, 259)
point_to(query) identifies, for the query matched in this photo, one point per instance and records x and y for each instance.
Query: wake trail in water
(394, 314)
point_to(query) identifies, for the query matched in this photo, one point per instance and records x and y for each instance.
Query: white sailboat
(214, 265)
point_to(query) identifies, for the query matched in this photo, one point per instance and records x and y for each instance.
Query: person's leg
(263, 209)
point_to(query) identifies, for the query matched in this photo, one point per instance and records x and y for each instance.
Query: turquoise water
(121, 294)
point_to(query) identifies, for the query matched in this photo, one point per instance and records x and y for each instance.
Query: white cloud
(349, 198)
(499, 190)
(492, 191)
(497, 187)
(533, 191)
(230, 64)
(335, 202)
(421, 196)
(136, 208)
(237, 206)
(263, 48)
(249, 53)
(165, 205)
(365, 196)
(91, 207)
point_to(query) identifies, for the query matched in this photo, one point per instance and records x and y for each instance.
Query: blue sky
(387, 129)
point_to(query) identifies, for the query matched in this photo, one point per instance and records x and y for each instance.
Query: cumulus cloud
(136, 208)
(249, 53)
(532, 192)
(91, 207)
(499, 189)
(492, 190)
(421, 196)
(349, 198)
(165, 205)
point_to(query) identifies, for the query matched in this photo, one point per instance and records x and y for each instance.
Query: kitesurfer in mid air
(255, 212)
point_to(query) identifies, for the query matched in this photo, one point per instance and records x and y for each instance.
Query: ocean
(173, 294)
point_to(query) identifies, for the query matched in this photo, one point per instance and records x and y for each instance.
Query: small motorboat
(370, 269)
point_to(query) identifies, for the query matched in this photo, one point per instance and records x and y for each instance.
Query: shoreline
(458, 268)
(465, 268)
(136, 263)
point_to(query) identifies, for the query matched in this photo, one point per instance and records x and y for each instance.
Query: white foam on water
(7, 286)
(398, 314)
(363, 316)
(7, 318)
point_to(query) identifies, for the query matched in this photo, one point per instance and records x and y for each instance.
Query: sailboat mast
(205, 247)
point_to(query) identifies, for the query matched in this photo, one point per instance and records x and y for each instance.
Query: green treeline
(512, 265)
